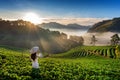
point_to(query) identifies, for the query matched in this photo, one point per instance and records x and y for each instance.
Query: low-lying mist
(102, 38)
(71, 32)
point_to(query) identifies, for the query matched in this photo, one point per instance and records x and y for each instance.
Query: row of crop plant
(105, 51)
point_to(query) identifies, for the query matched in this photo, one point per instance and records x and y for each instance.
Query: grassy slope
(14, 65)
(82, 51)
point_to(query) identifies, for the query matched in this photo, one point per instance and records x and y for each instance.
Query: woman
(34, 57)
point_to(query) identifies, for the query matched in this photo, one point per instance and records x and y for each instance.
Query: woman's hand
(40, 55)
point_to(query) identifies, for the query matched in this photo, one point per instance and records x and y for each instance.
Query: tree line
(21, 33)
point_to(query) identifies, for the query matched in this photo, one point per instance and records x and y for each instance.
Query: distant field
(83, 51)
(76, 64)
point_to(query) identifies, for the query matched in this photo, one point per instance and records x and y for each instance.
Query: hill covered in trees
(21, 33)
(106, 26)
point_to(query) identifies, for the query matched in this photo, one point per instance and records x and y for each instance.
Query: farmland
(81, 63)
(83, 51)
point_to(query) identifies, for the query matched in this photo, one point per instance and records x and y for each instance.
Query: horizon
(65, 21)
(84, 12)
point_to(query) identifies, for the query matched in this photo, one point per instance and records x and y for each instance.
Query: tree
(115, 39)
(93, 40)
(77, 39)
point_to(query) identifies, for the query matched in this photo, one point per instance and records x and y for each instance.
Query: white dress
(35, 63)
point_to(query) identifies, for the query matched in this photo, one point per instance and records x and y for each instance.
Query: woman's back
(34, 56)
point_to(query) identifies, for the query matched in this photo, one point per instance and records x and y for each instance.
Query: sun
(32, 17)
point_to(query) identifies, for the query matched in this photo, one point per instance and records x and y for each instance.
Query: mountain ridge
(112, 25)
(55, 25)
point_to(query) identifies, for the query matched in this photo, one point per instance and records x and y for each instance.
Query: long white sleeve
(40, 55)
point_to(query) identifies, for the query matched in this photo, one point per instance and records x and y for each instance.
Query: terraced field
(82, 51)
(15, 64)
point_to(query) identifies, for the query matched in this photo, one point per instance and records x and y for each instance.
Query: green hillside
(106, 26)
(87, 51)
(15, 64)
(21, 33)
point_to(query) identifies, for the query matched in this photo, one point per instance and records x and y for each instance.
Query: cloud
(66, 20)
(81, 21)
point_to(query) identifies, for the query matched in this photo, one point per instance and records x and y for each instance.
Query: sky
(85, 12)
